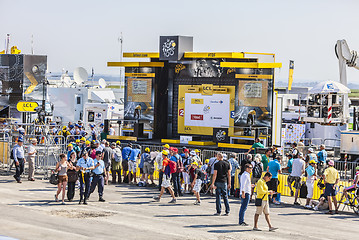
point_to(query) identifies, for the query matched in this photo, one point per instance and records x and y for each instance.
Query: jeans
(85, 185)
(160, 176)
(176, 183)
(98, 181)
(71, 190)
(221, 190)
(244, 204)
(19, 169)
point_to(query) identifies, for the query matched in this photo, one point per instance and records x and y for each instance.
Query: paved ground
(28, 211)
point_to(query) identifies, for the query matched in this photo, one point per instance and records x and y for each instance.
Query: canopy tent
(329, 87)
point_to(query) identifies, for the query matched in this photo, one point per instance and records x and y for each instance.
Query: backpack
(173, 166)
(201, 175)
(179, 164)
(257, 170)
(118, 155)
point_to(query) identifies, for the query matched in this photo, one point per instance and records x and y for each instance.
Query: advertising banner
(210, 107)
(253, 93)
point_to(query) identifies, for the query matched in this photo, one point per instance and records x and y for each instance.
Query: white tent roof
(329, 87)
(103, 96)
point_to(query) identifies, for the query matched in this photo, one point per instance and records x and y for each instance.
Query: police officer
(84, 165)
(19, 158)
(99, 171)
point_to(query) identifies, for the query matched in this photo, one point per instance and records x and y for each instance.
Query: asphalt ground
(28, 211)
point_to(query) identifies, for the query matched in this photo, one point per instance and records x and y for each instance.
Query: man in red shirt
(166, 181)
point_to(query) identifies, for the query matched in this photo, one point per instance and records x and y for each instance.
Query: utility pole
(120, 40)
(32, 44)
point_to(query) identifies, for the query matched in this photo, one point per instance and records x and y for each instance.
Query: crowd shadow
(34, 203)
(211, 226)
(183, 215)
(229, 231)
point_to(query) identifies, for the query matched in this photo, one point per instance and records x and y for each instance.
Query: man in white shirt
(245, 190)
(31, 159)
(298, 169)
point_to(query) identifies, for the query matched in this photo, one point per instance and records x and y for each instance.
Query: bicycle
(352, 201)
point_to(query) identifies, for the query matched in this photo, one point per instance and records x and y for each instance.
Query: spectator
(322, 160)
(19, 159)
(257, 144)
(263, 207)
(61, 168)
(311, 156)
(353, 187)
(31, 159)
(301, 146)
(274, 168)
(245, 190)
(197, 182)
(132, 164)
(222, 181)
(186, 165)
(289, 163)
(72, 176)
(159, 161)
(126, 151)
(257, 171)
(70, 149)
(116, 162)
(112, 130)
(166, 184)
(265, 159)
(294, 151)
(311, 176)
(331, 179)
(99, 171)
(149, 164)
(107, 155)
(298, 169)
(234, 166)
(211, 163)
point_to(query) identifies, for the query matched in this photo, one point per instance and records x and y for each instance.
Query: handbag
(258, 201)
(54, 178)
(72, 176)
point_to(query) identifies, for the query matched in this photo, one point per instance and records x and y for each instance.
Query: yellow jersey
(331, 175)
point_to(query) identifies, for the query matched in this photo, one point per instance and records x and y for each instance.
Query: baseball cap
(147, 149)
(83, 139)
(186, 150)
(175, 150)
(166, 146)
(87, 142)
(165, 152)
(195, 163)
(197, 151)
(118, 142)
(192, 153)
(70, 145)
(77, 140)
(331, 163)
(91, 125)
(310, 150)
(101, 124)
(312, 161)
(20, 139)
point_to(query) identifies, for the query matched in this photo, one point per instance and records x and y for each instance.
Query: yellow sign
(193, 89)
(219, 90)
(207, 89)
(26, 106)
(139, 75)
(254, 76)
(196, 101)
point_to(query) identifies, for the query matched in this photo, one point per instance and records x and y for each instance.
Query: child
(197, 182)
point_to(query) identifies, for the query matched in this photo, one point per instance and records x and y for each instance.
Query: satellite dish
(102, 83)
(80, 75)
(67, 81)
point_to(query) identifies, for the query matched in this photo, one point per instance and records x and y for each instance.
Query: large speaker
(106, 126)
(138, 130)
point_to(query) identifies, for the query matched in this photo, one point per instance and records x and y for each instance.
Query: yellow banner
(254, 76)
(26, 106)
(196, 101)
(139, 75)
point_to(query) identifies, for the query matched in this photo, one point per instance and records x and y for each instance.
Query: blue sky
(85, 33)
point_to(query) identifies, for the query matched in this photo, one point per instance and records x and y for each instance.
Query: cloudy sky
(85, 32)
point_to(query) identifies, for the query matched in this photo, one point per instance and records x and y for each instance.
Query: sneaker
(277, 203)
(315, 208)
(226, 214)
(172, 201)
(156, 198)
(197, 203)
(308, 207)
(243, 224)
(217, 214)
(101, 199)
(56, 199)
(296, 203)
(272, 229)
(329, 212)
(256, 229)
(85, 202)
(63, 203)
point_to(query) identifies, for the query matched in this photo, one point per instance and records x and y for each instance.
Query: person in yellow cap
(118, 143)
(166, 147)
(148, 166)
(64, 133)
(166, 181)
(70, 149)
(197, 182)
(311, 177)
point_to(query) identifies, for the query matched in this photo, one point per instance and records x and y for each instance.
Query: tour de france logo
(206, 109)
(221, 135)
(168, 48)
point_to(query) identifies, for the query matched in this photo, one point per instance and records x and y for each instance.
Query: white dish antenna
(80, 75)
(102, 83)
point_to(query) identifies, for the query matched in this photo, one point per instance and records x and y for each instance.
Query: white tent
(329, 87)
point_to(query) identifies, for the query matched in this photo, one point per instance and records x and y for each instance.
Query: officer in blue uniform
(84, 166)
(99, 171)
(19, 159)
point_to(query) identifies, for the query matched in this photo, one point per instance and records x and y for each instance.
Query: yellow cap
(83, 139)
(165, 152)
(147, 149)
(312, 161)
(166, 146)
(64, 128)
(118, 142)
(195, 163)
(206, 161)
(77, 140)
(196, 150)
(87, 142)
(70, 145)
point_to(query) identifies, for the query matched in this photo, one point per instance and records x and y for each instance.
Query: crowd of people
(88, 163)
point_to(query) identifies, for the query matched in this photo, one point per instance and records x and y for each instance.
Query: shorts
(185, 178)
(264, 208)
(148, 168)
(310, 187)
(107, 166)
(351, 188)
(329, 190)
(296, 181)
(273, 184)
(63, 178)
(166, 181)
(125, 165)
(132, 166)
(254, 180)
(197, 186)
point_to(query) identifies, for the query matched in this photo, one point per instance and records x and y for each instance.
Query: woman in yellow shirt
(262, 193)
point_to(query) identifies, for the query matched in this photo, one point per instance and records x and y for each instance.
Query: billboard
(204, 107)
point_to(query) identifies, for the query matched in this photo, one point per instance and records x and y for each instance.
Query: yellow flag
(290, 80)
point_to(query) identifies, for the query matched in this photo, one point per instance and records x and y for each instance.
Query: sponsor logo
(187, 128)
(181, 112)
(216, 101)
(221, 135)
(206, 109)
(198, 117)
(216, 118)
(207, 89)
(196, 101)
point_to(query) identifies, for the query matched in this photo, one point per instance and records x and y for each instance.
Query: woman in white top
(61, 168)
